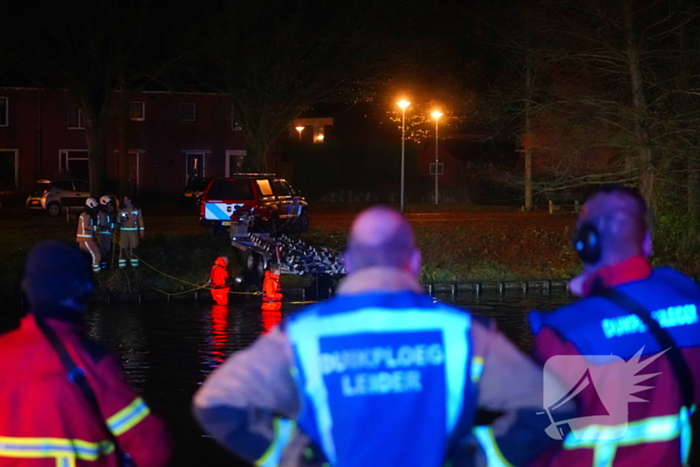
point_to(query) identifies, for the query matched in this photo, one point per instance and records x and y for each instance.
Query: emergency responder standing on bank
(220, 280)
(85, 236)
(379, 375)
(629, 312)
(47, 417)
(105, 228)
(131, 231)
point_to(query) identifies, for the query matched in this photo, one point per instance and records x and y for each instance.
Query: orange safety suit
(45, 421)
(272, 297)
(131, 231)
(86, 239)
(219, 281)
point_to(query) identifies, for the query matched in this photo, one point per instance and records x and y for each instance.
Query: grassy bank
(458, 245)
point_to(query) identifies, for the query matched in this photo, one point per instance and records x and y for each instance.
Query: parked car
(269, 202)
(53, 196)
(195, 187)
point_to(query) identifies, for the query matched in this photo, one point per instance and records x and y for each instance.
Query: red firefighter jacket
(219, 274)
(46, 422)
(271, 287)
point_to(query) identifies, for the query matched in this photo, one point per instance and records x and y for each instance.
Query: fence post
(551, 206)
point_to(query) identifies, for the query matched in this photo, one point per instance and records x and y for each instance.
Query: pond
(168, 349)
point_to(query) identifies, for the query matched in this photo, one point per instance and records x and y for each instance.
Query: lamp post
(436, 115)
(299, 129)
(403, 104)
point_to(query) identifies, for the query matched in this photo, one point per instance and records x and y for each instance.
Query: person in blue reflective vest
(607, 345)
(381, 374)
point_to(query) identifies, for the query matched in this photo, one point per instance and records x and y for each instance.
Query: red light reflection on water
(271, 315)
(219, 331)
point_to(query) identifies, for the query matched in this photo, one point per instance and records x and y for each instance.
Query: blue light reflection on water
(168, 349)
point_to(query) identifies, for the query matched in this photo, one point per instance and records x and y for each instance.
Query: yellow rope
(196, 286)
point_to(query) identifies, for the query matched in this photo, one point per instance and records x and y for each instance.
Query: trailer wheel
(251, 262)
(261, 267)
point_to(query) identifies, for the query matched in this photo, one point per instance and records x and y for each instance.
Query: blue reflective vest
(384, 377)
(596, 326)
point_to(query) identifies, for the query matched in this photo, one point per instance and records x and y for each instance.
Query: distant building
(170, 136)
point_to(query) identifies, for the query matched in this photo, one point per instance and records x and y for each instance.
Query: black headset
(587, 243)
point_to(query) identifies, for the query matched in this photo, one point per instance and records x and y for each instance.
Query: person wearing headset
(63, 399)
(635, 329)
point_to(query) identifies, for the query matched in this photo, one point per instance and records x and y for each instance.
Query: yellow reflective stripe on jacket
(494, 456)
(284, 430)
(128, 417)
(59, 448)
(477, 369)
(605, 440)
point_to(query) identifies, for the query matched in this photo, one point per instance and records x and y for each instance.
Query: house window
(234, 161)
(187, 111)
(440, 167)
(4, 114)
(76, 118)
(195, 164)
(73, 163)
(138, 111)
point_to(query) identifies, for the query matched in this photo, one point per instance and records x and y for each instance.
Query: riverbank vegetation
(476, 245)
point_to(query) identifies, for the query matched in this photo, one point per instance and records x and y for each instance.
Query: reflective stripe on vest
(130, 228)
(648, 430)
(284, 431)
(494, 457)
(128, 417)
(477, 369)
(65, 451)
(304, 334)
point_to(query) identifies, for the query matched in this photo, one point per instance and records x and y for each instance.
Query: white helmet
(91, 203)
(105, 200)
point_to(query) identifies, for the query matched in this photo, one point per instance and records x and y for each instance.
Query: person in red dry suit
(220, 280)
(46, 420)
(272, 297)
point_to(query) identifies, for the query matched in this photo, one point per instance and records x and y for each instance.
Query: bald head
(381, 237)
(619, 214)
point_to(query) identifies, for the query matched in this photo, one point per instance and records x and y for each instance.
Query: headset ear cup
(587, 244)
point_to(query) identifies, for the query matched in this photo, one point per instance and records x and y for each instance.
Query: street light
(299, 129)
(436, 115)
(403, 104)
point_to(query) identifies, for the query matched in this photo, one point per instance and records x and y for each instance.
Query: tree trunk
(644, 159)
(693, 192)
(95, 136)
(529, 91)
(256, 161)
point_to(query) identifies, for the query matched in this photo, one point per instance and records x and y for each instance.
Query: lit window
(187, 112)
(4, 115)
(76, 119)
(138, 111)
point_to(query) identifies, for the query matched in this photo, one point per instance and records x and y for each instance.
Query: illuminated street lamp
(436, 115)
(299, 129)
(403, 104)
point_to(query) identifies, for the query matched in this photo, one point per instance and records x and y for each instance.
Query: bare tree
(82, 47)
(277, 58)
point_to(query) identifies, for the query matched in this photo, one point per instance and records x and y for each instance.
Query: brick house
(170, 136)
